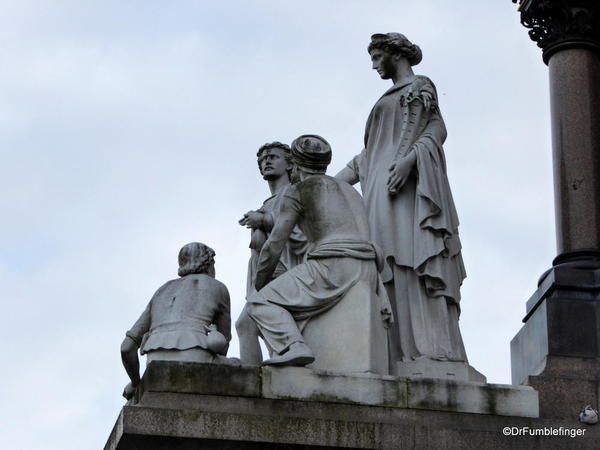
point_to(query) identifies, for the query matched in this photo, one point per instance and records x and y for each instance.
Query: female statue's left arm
(434, 128)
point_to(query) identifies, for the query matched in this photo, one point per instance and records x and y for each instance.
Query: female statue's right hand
(399, 173)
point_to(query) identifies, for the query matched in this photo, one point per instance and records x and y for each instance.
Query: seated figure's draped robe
(332, 216)
(417, 228)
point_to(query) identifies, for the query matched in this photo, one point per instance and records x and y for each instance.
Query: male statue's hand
(399, 172)
(129, 391)
(252, 219)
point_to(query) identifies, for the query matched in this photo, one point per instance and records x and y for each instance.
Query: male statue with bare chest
(274, 164)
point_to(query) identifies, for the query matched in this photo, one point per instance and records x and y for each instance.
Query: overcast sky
(129, 129)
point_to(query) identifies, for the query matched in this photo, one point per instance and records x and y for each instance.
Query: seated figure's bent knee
(252, 301)
(245, 324)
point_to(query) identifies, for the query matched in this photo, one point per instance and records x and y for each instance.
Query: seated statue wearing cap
(332, 216)
(187, 319)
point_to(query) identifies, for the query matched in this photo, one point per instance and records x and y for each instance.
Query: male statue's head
(311, 155)
(196, 258)
(390, 49)
(274, 160)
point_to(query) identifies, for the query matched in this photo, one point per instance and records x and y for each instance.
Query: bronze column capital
(556, 25)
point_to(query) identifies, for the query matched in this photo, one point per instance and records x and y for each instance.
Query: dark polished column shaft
(568, 32)
(575, 107)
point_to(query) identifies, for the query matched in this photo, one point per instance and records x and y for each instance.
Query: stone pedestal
(193, 405)
(350, 337)
(558, 349)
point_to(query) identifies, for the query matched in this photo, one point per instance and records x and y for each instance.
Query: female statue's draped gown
(417, 228)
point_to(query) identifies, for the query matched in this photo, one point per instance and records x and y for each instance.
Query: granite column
(557, 351)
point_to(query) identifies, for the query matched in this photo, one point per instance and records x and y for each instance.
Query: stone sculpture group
(323, 258)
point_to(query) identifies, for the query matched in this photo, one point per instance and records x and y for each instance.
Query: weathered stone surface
(277, 429)
(336, 342)
(198, 378)
(305, 384)
(309, 385)
(199, 405)
(498, 399)
(447, 370)
(217, 422)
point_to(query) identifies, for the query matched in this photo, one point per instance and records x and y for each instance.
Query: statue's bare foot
(298, 355)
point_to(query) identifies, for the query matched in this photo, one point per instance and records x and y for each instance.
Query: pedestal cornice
(556, 25)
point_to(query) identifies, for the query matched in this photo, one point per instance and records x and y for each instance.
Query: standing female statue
(402, 172)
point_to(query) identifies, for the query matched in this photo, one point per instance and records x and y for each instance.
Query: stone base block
(481, 398)
(351, 337)
(419, 393)
(557, 351)
(301, 383)
(566, 386)
(190, 406)
(448, 370)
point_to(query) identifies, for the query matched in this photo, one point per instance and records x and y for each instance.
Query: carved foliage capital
(558, 24)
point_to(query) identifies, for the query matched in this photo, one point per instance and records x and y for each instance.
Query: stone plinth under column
(557, 351)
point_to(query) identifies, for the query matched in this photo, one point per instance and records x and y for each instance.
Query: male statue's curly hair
(396, 44)
(195, 258)
(270, 145)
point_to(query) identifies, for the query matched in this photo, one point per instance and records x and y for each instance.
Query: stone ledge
(298, 383)
(278, 429)
(293, 383)
(497, 399)
(200, 378)
(190, 421)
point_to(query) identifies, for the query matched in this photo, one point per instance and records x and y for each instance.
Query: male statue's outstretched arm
(271, 251)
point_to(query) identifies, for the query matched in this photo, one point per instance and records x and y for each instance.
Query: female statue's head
(196, 258)
(396, 44)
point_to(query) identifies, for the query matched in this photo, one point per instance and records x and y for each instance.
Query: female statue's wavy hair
(396, 44)
(270, 145)
(195, 258)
